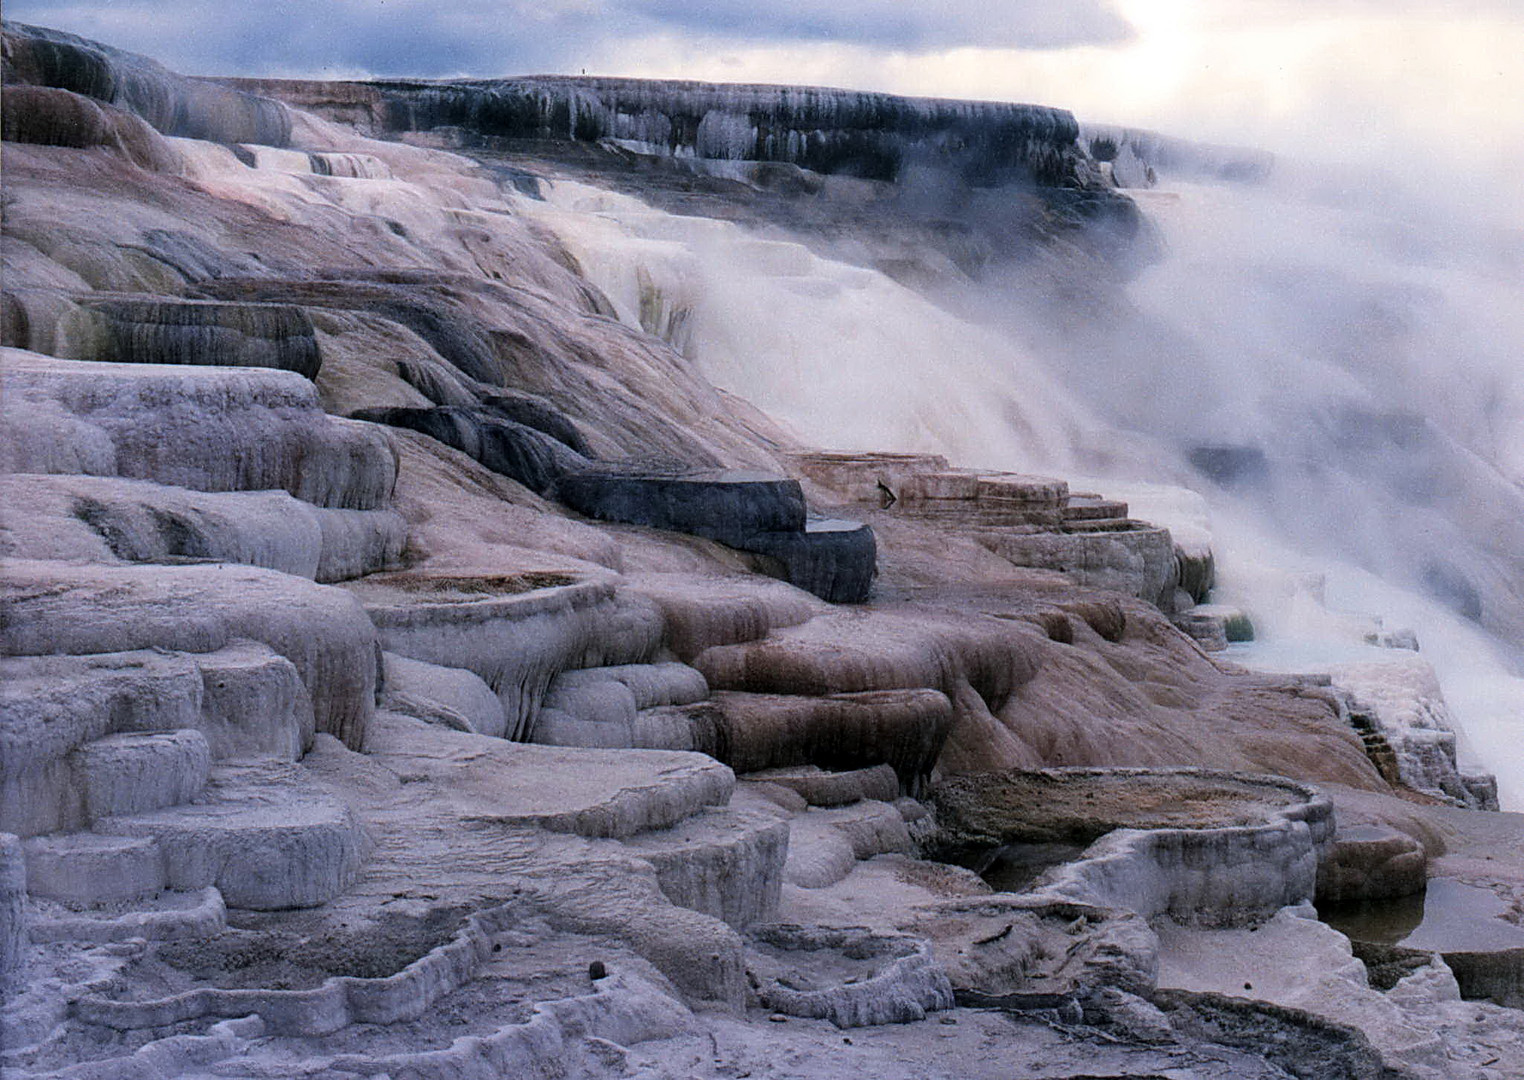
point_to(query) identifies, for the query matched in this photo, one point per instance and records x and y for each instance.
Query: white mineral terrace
(489, 601)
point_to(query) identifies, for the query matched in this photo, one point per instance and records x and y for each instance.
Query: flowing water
(1326, 380)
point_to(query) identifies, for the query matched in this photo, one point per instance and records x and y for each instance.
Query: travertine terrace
(413, 668)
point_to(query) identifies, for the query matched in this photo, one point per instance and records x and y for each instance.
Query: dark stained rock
(192, 257)
(518, 451)
(53, 117)
(1105, 617)
(535, 412)
(731, 506)
(866, 135)
(751, 511)
(1301, 1043)
(1370, 862)
(159, 330)
(833, 559)
(904, 729)
(171, 103)
(440, 319)
(1198, 570)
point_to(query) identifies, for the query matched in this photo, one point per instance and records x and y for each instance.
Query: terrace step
(825, 844)
(724, 861)
(87, 868)
(817, 787)
(268, 836)
(1092, 508)
(140, 771)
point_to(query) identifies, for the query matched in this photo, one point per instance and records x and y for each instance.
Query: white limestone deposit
(336, 742)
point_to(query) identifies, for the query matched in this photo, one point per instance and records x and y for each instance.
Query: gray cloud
(1018, 24)
(499, 37)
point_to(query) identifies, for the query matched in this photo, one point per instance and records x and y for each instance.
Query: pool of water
(1450, 916)
(1014, 867)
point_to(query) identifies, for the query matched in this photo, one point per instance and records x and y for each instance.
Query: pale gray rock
(253, 704)
(89, 736)
(590, 793)
(103, 519)
(87, 868)
(171, 916)
(1194, 845)
(825, 844)
(1401, 700)
(65, 608)
(517, 637)
(850, 976)
(635, 705)
(52, 706)
(207, 428)
(1139, 562)
(140, 771)
(269, 837)
(1032, 951)
(665, 727)
(1209, 877)
(13, 932)
(452, 696)
(728, 863)
(245, 701)
(651, 685)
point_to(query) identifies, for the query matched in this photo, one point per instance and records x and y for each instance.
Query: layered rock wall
(872, 136)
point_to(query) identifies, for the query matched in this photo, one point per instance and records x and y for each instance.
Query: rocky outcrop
(103, 519)
(13, 931)
(265, 836)
(896, 982)
(728, 863)
(828, 131)
(517, 632)
(451, 696)
(476, 811)
(1135, 158)
(903, 729)
(731, 507)
(154, 330)
(756, 512)
(173, 104)
(515, 450)
(1030, 521)
(50, 116)
(88, 610)
(834, 559)
(1371, 862)
(1030, 953)
(1196, 846)
(209, 429)
(637, 705)
(1400, 709)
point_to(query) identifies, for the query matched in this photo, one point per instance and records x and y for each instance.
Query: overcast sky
(1366, 77)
